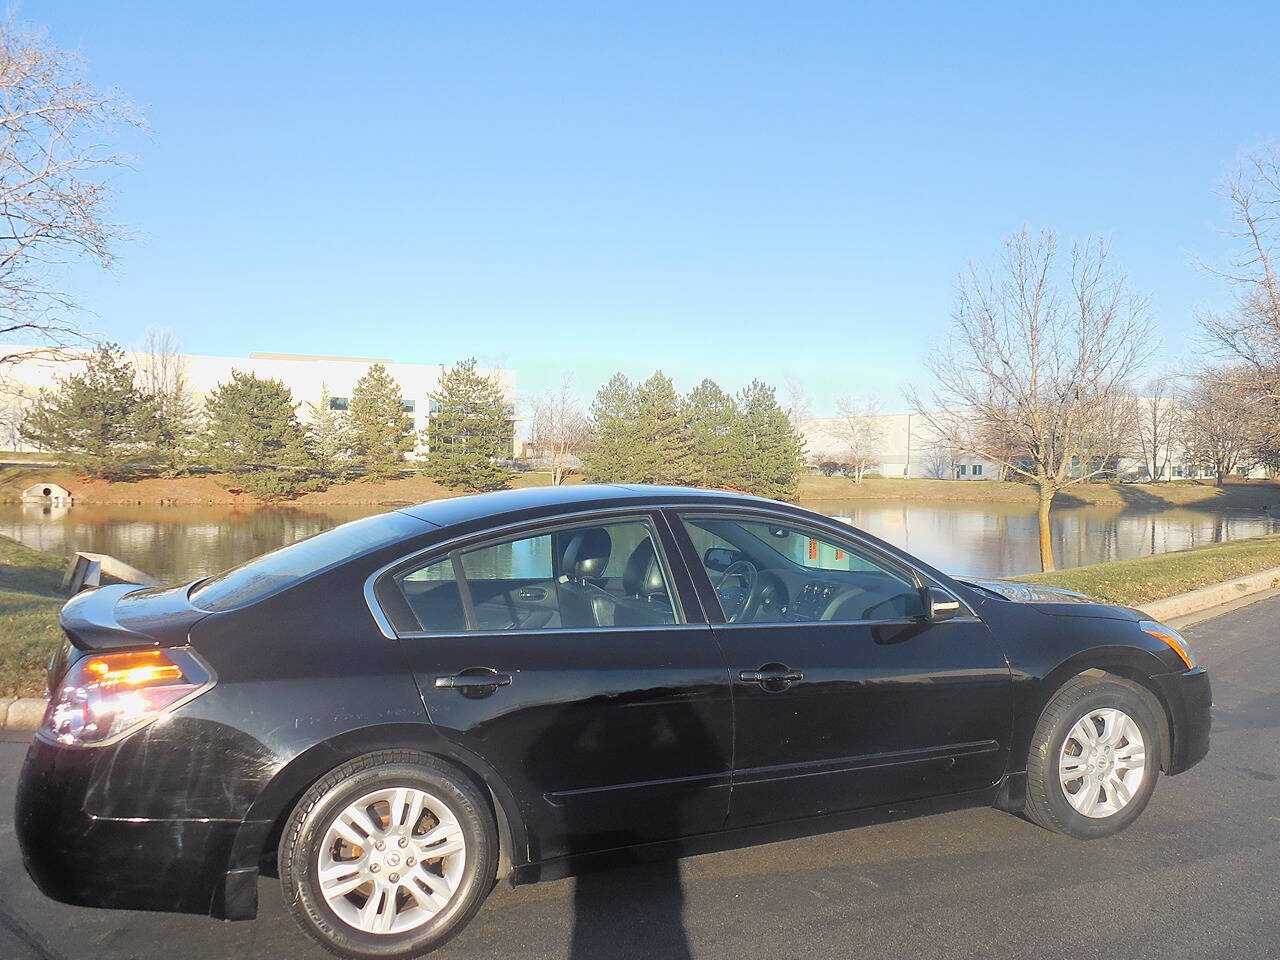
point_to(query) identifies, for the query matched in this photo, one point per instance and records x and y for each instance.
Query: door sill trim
(817, 768)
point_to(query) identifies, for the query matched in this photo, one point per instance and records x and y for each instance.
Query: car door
(845, 696)
(573, 658)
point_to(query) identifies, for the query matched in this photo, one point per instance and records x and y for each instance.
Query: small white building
(48, 494)
(304, 374)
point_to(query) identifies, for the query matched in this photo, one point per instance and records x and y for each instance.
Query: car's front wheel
(1094, 758)
(388, 856)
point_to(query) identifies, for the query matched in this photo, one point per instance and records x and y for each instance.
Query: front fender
(1046, 651)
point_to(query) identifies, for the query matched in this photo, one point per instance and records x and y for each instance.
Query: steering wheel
(740, 604)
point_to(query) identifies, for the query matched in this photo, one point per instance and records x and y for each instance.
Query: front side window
(569, 577)
(779, 572)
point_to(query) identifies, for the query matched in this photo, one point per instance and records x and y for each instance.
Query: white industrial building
(305, 375)
(909, 447)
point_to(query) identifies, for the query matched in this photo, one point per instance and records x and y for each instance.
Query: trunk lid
(127, 615)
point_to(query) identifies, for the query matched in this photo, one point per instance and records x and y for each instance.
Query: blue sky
(728, 190)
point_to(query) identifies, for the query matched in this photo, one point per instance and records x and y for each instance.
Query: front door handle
(772, 676)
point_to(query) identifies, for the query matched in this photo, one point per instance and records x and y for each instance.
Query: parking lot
(1197, 876)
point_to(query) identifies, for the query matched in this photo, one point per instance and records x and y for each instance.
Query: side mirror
(939, 605)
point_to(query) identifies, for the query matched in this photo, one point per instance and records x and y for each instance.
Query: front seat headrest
(587, 554)
(643, 575)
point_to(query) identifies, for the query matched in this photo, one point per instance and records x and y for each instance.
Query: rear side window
(276, 570)
(570, 577)
(432, 595)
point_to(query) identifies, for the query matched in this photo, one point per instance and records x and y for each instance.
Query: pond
(982, 539)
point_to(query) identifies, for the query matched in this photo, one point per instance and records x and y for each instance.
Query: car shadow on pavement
(628, 898)
(633, 912)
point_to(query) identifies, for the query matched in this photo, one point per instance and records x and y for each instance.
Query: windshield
(273, 571)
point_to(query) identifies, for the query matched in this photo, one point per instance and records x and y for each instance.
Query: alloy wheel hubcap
(1102, 763)
(391, 860)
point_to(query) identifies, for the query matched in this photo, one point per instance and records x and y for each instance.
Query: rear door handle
(474, 681)
(531, 593)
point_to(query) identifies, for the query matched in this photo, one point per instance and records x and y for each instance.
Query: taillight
(104, 696)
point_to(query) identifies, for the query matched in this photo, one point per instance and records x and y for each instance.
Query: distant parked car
(396, 713)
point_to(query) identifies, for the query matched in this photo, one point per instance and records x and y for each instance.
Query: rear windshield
(273, 571)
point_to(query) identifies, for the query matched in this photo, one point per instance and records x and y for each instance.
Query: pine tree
(253, 433)
(770, 453)
(329, 435)
(469, 432)
(97, 421)
(713, 433)
(664, 449)
(613, 436)
(381, 432)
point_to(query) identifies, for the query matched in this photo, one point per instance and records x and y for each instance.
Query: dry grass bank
(218, 489)
(415, 488)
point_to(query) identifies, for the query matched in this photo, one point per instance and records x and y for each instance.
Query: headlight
(1172, 637)
(105, 696)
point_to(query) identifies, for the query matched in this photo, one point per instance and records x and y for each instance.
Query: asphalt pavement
(1197, 876)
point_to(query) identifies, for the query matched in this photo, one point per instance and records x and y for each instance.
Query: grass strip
(1143, 579)
(30, 599)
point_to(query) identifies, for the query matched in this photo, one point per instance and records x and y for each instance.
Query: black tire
(306, 828)
(1047, 803)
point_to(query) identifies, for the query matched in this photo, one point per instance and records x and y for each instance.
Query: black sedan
(393, 715)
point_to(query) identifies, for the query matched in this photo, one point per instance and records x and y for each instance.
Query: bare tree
(162, 378)
(860, 430)
(53, 191)
(1156, 415)
(1225, 419)
(940, 461)
(1251, 330)
(1040, 361)
(559, 428)
(799, 407)
(162, 369)
(993, 436)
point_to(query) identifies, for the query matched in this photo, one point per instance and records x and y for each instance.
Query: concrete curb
(1212, 596)
(24, 713)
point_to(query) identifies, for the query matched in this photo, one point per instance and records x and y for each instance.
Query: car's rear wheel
(388, 856)
(1094, 759)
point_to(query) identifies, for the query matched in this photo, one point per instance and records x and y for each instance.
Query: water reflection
(987, 539)
(1000, 539)
(173, 543)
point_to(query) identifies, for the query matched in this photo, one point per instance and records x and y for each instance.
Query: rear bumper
(1189, 699)
(135, 863)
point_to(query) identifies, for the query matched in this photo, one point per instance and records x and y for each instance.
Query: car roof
(549, 501)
